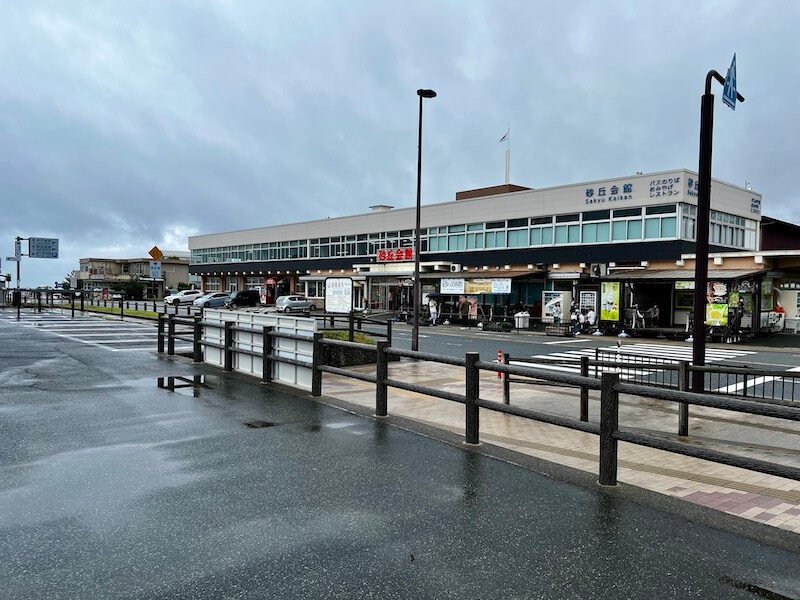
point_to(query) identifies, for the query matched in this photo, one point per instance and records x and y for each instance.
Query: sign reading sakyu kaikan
(393, 254)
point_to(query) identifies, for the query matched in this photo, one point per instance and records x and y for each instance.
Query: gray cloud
(131, 124)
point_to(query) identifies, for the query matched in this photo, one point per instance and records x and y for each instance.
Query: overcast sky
(129, 124)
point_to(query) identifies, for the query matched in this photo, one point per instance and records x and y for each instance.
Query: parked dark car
(243, 298)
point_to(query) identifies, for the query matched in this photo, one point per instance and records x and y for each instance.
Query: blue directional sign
(43, 247)
(729, 91)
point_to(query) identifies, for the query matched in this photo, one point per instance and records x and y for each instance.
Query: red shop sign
(392, 254)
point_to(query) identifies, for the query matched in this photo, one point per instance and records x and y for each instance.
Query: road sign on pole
(17, 248)
(156, 253)
(729, 91)
(43, 247)
(155, 269)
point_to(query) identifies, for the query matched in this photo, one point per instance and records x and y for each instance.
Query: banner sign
(684, 285)
(473, 287)
(451, 286)
(338, 295)
(717, 314)
(609, 298)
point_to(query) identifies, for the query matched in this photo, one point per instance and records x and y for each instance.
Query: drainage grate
(259, 424)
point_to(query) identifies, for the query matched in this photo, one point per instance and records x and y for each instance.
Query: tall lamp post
(703, 214)
(417, 242)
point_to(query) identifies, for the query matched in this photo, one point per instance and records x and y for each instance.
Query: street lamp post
(702, 225)
(417, 242)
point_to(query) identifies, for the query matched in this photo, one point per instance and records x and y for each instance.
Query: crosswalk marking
(751, 383)
(630, 352)
(95, 331)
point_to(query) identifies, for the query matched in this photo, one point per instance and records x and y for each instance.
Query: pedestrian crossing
(630, 353)
(122, 336)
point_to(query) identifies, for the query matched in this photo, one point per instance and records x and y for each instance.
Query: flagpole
(508, 154)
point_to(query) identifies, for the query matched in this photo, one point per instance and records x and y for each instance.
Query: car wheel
(312, 307)
(287, 310)
(207, 305)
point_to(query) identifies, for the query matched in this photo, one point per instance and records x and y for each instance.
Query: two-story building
(102, 273)
(502, 245)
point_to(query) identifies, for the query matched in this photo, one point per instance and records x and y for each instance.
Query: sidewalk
(740, 492)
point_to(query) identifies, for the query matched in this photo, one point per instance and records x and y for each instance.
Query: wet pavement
(114, 487)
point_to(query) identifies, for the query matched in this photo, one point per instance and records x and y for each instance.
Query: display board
(338, 295)
(609, 301)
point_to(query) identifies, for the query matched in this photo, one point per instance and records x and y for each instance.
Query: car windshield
(281, 299)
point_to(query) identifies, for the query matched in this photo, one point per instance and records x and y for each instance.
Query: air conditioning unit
(456, 268)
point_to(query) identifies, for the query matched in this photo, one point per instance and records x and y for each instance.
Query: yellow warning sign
(156, 253)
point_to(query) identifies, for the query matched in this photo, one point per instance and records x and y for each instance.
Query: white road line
(572, 341)
(751, 383)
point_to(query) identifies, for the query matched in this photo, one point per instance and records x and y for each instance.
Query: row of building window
(599, 226)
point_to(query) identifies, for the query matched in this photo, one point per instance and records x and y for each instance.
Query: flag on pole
(505, 136)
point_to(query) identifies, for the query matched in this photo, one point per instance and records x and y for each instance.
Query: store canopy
(683, 275)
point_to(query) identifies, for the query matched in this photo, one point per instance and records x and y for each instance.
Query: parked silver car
(212, 300)
(292, 303)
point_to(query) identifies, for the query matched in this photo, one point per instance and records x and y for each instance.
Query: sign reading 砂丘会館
(338, 294)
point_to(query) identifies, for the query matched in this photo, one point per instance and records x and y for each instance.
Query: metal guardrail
(609, 384)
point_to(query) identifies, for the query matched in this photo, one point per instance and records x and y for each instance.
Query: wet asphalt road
(113, 488)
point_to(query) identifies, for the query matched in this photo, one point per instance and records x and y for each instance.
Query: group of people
(650, 318)
(581, 320)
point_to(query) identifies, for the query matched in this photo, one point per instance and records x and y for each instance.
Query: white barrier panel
(244, 363)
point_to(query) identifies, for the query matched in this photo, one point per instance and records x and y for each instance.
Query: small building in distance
(99, 273)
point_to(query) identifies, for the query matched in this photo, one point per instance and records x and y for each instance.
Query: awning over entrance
(683, 275)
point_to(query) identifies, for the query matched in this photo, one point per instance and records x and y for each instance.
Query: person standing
(433, 307)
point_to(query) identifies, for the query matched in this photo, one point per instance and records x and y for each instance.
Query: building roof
(683, 274)
(175, 261)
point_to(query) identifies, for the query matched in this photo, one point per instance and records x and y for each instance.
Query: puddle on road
(188, 386)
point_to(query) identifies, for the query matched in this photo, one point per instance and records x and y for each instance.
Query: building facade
(102, 273)
(505, 245)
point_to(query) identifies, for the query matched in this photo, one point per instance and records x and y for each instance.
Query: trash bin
(522, 320)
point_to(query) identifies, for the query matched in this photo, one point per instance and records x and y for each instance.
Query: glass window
(518, 222)
(475, 227)
(652, 228)
(668, 227)
(536, 236)
(561, 234)
(627, 212)
(456, 228)
(602, 232)
(547, 235)
(474, 240)
(456, 242)
(541, 220)
(496, 225)
(590, 232)
(660, 210)
(620, 231)
(596, 215)
(567, 218)
(635, 229)
(518, 237)
(496, 239)
(574, 234)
